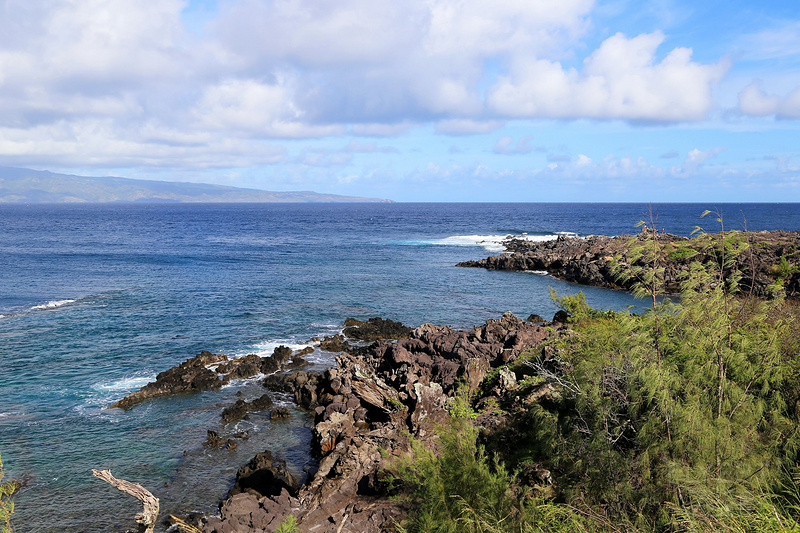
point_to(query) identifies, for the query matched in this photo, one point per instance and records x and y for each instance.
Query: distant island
(21, 185)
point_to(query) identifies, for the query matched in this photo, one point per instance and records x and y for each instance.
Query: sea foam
(124, 384)
(52, 304)
(492, 243)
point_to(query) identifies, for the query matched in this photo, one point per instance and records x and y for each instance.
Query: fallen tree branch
(147, 518)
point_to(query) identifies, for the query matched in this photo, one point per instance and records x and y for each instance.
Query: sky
(414, 100)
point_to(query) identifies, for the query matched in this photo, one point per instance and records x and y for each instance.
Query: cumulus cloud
(754, 101)
(621, 79)
(130, 79)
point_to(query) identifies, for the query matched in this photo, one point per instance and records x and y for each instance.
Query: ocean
(95, 300)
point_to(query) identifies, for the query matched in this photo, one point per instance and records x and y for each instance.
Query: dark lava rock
(771, 258)
(282, 354)
(280, 413)
(308, 350)
(190, 376)
(241, 408)
(277, 383)
(367, 410)
(215, 441)
(297, 363)
(375, 329)
(264, 475)
(334, 343)
(561, 317)
(248, 366)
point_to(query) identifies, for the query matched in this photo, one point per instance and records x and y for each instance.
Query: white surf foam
(492, 243)
(125, 384)
(538, 272)
(52, 304)
(266, 348)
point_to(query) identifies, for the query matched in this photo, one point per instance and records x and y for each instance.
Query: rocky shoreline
(366, 411)
(398, 388)
(771, 256)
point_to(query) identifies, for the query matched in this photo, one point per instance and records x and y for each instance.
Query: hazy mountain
(21, 185)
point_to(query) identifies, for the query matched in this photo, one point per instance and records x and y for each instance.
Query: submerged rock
(239, 409)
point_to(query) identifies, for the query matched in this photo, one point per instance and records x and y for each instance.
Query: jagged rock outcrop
(208, 371)
(770, 256)
(366, 409)
(374, 329)
(190, 376)
(264, 475)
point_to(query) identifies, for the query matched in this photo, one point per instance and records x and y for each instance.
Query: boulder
(264, 475)
(239, 409)
(375, 329)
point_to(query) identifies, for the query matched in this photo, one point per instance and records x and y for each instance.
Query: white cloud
(93, 80)
(257, 108)
(381, 59)
(621, 79)
(754, 101)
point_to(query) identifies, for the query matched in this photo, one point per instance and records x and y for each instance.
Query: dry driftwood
(147, 518)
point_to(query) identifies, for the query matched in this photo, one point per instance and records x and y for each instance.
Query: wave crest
(52, 304)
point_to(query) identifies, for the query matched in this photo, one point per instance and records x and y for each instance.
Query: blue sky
(434, 100)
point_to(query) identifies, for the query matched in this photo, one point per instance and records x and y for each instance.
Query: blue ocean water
(95, 300)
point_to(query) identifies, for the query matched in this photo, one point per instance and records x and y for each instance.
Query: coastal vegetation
(7, 489)
(681, 418)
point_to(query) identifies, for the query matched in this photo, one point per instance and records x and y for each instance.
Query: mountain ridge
(23, 185)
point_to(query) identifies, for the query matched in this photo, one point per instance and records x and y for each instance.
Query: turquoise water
(95, 300)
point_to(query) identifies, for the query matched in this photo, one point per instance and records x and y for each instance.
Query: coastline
(165, 334)
(401, 386)
(771, 259)
(366, 412)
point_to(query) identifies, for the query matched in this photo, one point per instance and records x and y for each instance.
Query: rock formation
(208, 371)
(770, 257)
(366, 410)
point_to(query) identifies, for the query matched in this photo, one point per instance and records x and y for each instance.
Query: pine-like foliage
(463, 491)
(683, 418)
(681, 402)
(6, 505)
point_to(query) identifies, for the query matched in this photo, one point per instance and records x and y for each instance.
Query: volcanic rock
(190, 376)
(242, 407)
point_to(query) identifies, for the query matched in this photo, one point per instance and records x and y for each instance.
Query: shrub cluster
(681, 418)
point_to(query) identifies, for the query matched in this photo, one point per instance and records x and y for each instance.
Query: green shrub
(6, 505)
(463, 490)
(289, 525)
